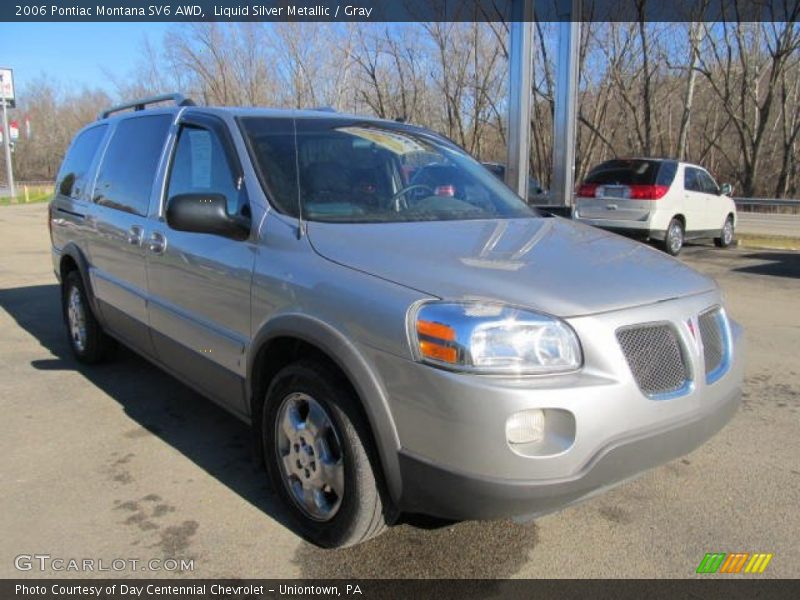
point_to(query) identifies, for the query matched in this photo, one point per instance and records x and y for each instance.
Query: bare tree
(726, 95)
(55, 118)
(787, 182)
(744, 65)
(694, 36)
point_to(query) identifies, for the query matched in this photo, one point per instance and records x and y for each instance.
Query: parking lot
(122, 461)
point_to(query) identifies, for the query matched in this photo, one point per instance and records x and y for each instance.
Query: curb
(769, 242)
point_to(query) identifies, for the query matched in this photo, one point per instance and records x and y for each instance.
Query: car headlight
(492, 338)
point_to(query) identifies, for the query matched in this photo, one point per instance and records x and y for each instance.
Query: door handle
(135, 236)
(157, 243)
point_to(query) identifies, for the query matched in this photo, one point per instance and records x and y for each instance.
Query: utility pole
(7, 146)
(4, 85)
(519, 97)
(565, 118)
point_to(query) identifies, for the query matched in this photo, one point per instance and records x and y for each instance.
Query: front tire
(89, 343)
(725, 238)
(673, 240)
(318, 452)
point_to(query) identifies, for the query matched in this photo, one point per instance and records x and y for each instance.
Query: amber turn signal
(438, 352)
(436, 330)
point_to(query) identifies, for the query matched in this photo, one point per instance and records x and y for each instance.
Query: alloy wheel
(727, 232)
(675, 235)
(309, 455)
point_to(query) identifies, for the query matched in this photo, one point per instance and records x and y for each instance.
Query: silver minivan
(402, 333)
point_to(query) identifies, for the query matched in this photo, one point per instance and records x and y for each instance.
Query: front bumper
(431, 489)
(455, 461)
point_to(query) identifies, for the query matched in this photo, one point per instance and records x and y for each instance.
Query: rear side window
(691, 180)
(633, 172)
(130, 163)
(667, 172)
(72, 179)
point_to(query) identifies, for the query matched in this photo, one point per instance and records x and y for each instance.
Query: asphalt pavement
(121, 461)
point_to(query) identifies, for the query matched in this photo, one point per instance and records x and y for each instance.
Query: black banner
(449, 589)
(397, 10)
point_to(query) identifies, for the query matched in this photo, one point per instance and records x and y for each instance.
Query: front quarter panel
(344, 312)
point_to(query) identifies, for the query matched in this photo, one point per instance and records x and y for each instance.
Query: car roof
(648, 158)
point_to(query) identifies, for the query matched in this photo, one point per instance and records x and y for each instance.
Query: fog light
(525, 427)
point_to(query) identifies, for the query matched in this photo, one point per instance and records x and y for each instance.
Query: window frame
(217, 127)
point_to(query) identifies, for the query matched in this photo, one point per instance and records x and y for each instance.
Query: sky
(74, 54)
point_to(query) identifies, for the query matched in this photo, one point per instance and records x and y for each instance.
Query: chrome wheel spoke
(332, 475)
(331, 467)
(289, 463)
(310, 499)
(316, 420)
(291, 423)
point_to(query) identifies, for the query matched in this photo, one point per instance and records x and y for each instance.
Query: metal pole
(7, 144)
(565, 120)
(519, 101)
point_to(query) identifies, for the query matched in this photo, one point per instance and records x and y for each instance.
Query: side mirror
(205, 213)
(726, 189)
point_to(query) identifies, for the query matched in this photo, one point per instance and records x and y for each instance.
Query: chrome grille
(655, 358)
(714, 346)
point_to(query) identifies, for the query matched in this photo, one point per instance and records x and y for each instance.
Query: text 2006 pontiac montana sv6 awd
(400, 330)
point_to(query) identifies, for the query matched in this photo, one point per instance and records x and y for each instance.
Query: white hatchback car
(658, 199)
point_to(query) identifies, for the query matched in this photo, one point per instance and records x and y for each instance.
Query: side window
(666, 173)
(708, 183)
(691, 180)
(130, 163)
(72, 178)
(200, 165)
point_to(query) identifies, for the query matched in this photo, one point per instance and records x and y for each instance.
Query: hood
(549, 264)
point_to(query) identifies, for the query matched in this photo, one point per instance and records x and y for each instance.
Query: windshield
(354, 171)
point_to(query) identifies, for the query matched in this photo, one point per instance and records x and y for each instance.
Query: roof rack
(328, 109)
(141, 104)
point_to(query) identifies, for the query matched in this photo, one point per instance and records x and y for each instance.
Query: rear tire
(89, 343)
(318, 452)
(673, 240)
(725, 238)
